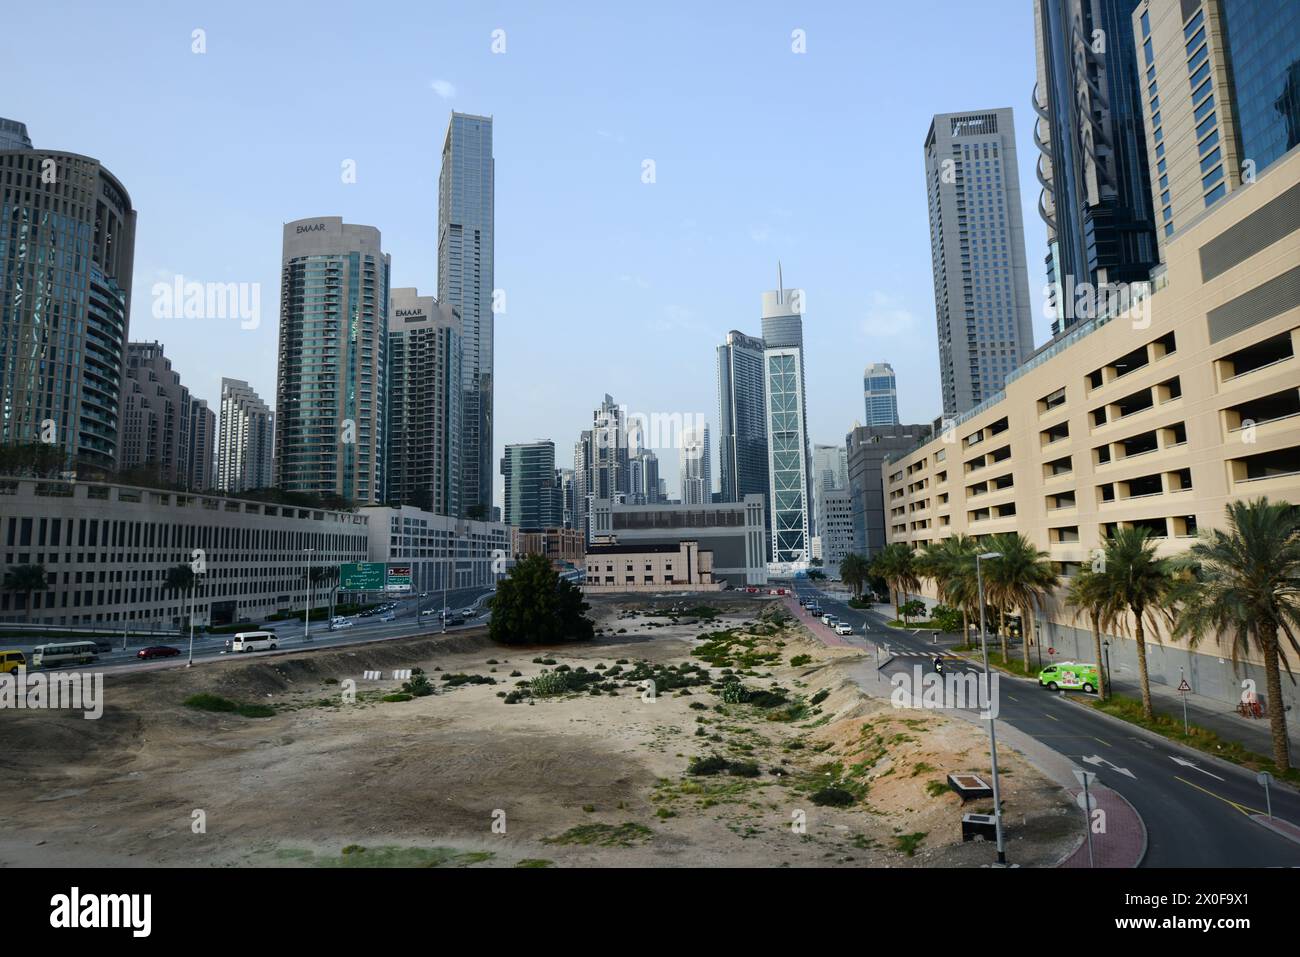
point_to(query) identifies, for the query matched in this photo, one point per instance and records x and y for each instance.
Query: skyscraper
(466, 214)
(155, 419)
(329, 410)
(880, 394)
(1220, 96)
(696, 467)
(785, 398)
(67, 245)
(246, 446)
(424, 397)
(742, 424)
(830, 469)
(13, 135)
(533, 497)
(977, 251)
(601, 460)
(1096, 190)
(203, 438)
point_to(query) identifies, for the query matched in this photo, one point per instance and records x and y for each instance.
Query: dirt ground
(461, 777)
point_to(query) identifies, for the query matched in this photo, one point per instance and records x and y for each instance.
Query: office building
(696, 467)
(785, 408)
(329, 410)
(835, 528)
(731, 531)
(830, 469)
(1155, 418)
(643, 478)
(424, 403)
(107, 549)
(441, 550)
(742, 422)
(567, 485)
(977, 250)
(247, 442)
(1096, 188)
(1203, 137)
(66, 254)
(533, 497)
(612, 567)
(601, 460)
(866, 448)
(563, 547)
(880, 394)
(466, 217)
(13, 135)
(156, 417)
(201, 461)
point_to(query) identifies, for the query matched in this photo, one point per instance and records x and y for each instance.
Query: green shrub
(820, 696)
(549, 683)
(798, 661)
(832, 797)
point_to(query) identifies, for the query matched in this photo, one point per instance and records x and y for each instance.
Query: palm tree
(182, 579)
(896, 564)
(853, 572)
(1087, 594)
(958, 586)
(27, 579)
(1246, 584)
(1020, 580)
(1140, 586)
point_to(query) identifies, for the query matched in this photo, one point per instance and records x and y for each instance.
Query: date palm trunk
(1103, 679)
(1276, 711)
(1139, 635)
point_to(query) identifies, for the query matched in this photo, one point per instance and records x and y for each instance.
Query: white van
(254, 641)
(64, 653)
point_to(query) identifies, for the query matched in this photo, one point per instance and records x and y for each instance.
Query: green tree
(1087, 594)
(853, 572)
(1244, 582)
(1020, 580)
(26, 580)
(535, 606)
(896, 564)
(1139, 587)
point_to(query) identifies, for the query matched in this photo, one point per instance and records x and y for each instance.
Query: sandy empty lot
(461, 777)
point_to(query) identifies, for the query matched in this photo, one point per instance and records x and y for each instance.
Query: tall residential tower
(246, 446)
(785, 397)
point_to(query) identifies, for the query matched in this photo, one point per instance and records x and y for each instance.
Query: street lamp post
(306, 620)
(993, 740)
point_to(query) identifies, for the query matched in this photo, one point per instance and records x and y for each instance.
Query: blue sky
(612, 285)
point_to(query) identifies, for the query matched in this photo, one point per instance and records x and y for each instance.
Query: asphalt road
(290, 633)
(1197, 812)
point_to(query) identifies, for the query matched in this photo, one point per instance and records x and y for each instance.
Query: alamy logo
(75, 691)
(102, 910)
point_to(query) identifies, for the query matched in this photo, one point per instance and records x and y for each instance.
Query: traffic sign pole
(1183, 689)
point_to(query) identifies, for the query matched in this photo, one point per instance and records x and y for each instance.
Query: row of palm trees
(1241, 583)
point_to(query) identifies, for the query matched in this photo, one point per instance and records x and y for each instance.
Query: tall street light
(993, 740)
(306, 621)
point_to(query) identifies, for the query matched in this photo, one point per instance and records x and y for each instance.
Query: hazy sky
(612, 284)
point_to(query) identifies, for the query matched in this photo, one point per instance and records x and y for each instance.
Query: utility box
(978, 825)
(970, 786)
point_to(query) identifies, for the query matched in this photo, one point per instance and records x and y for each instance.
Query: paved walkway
(1123, 839)
(823, 633)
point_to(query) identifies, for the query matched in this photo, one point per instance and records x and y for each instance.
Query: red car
(157, 651)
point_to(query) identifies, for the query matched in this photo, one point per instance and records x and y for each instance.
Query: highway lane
(290, 633)
(1196, 811)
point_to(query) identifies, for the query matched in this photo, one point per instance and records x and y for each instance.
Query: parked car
(827, 618)
(157, 651)
(1070, 676)
(843, 628)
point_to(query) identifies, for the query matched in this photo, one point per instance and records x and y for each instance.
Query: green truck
(1069, 675)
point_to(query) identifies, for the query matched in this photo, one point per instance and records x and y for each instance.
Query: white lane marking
(1098, 760)
(1193, 765)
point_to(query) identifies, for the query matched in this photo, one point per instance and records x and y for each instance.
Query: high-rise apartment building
(696, 467)
(742, 422)
(247, 442)
(329, 411)
(156, 416)
(466, 214)
(601, 459)
(203, 439)
(1096, 190)
(977, 250)
(830, 470)
(424, 402)
(643, 477)
(13, 135)
(67, 245)
(533, 496)
(1220, 96)
(880, 394)
(785, 407)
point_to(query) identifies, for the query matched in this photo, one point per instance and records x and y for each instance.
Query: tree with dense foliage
(1138, 587)
(26, 580)
(533, 605)
(896, 564)
(853, 572)
(1243, 582)
(1087, 594)
(1021, 579)
(950, 564)
(33, 460)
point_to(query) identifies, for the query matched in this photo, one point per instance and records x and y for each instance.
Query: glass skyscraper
(466, 213)
(742, 427)
(1096, 191)
(977, 250)
(534, 498)
(329, 409)
(67, 247)
(247, 443)
(1263, 38)
(789, 471)
(880, 394)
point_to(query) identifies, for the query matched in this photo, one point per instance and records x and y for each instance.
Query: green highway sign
(361, 576)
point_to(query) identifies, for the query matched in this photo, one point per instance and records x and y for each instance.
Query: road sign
(398, 578)
(1184, 687)
(361, 576)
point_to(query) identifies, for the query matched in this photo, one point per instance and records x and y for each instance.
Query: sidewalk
(1123, 843)
(822, 633)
